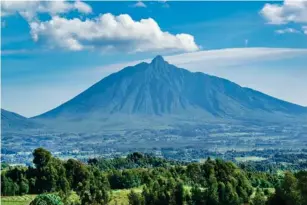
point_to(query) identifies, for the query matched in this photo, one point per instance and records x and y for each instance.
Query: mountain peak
(159, 88)
(158, 59)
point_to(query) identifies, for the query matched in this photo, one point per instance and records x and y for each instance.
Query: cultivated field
(17, 200)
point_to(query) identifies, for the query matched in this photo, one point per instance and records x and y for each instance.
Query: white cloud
(105, 32)
(225, 58)
(13, 52)
(30, 9)
(140, 4)
(287, 30)
(109, 32)
(305, 29)
(83, 7)
(289, 11)
(26, 9)
(213, 60)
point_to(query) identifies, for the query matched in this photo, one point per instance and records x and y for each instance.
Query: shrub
(47, 199)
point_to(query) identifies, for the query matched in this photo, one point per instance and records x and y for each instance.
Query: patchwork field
(17, 200)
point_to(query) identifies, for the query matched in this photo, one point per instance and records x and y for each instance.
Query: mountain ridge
(12, 120)
(159, 89)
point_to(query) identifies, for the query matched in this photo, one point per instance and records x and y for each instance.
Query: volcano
(159, 90)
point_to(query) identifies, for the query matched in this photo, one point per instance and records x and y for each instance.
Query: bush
(47, 199)
(73, 199)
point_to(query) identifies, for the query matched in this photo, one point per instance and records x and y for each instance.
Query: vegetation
(50, 199)
(142, 179)
(17, 200)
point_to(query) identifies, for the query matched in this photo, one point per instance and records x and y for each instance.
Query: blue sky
(51, 51)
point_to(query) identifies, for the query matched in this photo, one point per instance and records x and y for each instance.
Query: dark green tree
(135, 198)
(41, 157)
(259, 198)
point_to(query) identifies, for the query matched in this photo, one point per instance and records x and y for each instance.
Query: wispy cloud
(14, 52)
(140, 4)
(9, 52)
(164, 3)
(221, 58)
(287, 30)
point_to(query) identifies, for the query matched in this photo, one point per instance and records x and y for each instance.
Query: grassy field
(249, 158)
(120, 197)
(17, 200)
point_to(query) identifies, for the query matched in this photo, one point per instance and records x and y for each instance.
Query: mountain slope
(161, 89)
(11, 120)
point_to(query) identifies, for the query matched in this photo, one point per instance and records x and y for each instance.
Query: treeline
(165, 182)
(53, 175)
(214, 182)
(134, 160)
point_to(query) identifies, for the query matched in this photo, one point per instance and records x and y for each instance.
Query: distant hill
(14, 121)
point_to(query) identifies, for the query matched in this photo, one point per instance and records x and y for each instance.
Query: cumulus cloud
(30, 9)
(288, 11)
(104, 32)
(27, 9)
(110, 33)
(140, 4)
(287, 30)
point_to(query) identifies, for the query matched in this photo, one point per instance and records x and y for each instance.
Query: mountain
(159, 90)
(14, 121)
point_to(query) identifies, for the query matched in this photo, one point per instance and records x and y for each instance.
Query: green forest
(149, 180)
